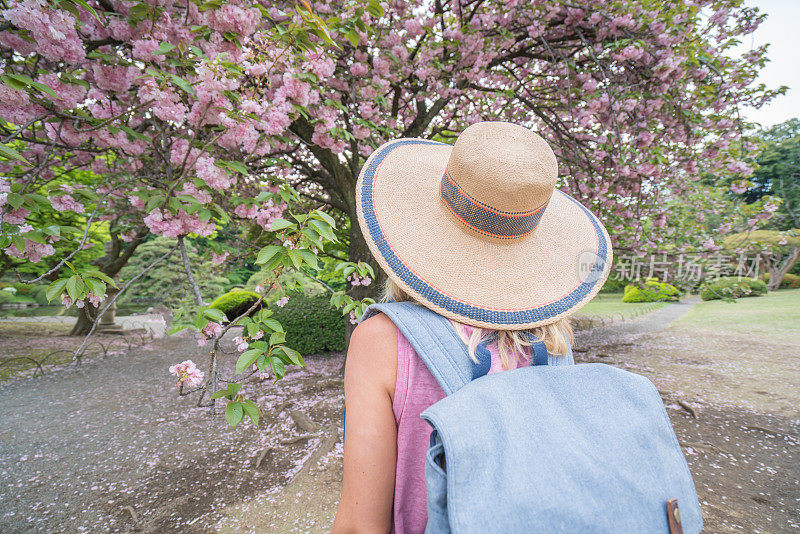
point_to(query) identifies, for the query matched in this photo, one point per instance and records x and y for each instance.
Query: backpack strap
(438, 344)
(435, 341)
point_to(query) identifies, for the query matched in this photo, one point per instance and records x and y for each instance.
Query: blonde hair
(557, 336)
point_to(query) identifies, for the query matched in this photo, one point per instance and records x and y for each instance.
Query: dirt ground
(109, 447)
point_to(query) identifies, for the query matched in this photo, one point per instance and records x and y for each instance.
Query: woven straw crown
(499, 179)
(477, 231)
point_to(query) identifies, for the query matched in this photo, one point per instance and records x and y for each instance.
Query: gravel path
(734, 405)
(109, 447)
(644, 324)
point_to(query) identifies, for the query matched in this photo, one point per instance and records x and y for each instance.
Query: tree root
(688, 408)
(304, 422)
(262, 456)
(134, 515)
(707, 446)
(332, 436)
(301, 437)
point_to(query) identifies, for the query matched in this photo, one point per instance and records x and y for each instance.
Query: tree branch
(188, 270)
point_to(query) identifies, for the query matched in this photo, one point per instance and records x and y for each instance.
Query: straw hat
(477, 231)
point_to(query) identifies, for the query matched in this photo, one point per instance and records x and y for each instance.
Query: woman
(478, 233)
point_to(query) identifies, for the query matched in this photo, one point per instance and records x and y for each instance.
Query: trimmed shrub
(235, 302)
(6, 296)
(23, 289)
(789, 280)
(613, 285)
(39, 295)
(732, 287)
(312, 325)
(651, 291)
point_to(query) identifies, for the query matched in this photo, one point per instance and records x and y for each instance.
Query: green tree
(779, 251)
(777, 173)
(166, 282)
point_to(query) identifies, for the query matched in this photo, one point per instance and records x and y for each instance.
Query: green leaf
(310, 258)
(75, 287)
(278, 367)
(252, 411)
(252, 329)
(88, 8)
(296, 256)
(164, 48)
(15, 200)
(277, 337)
(273, 324)
(45, 89)
(237, 166)
(375, 9)
(55, 289)
(324, 229)
(267, 253)
(234, 387)
(11, 153)
(234, 413)
(215, 315)
(327, 218)
(96, 286)
(133, 133)
(353, 37)
(247, 359)
(219, 394)
(279, 224)
(19, 242)
(183, 84)
(294, 356)
(102, 276)
(34, 236)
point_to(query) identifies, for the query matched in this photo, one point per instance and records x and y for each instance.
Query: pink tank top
(415, 390)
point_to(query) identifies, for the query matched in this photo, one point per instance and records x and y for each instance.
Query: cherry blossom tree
(254, 119)
(636, 98)
(167, 111)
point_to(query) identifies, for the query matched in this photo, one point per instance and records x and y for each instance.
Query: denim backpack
(545, 448)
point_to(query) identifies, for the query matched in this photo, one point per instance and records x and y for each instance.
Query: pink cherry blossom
(188, 374)
(282, 302)
(219, 259)
(66, 203)
(212, 329)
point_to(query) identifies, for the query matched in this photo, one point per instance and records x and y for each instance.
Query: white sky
(781, 31)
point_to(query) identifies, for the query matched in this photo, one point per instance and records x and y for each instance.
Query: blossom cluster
(356, 281)
(188, 374)
(210, 331)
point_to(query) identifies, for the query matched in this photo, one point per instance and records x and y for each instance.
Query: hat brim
(499, 285)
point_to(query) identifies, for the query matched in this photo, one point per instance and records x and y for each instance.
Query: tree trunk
(359, 251)
(779, 268)
(111, 264)
(86, 317)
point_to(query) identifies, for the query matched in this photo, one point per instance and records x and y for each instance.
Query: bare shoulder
(372, 354)
(377, 328)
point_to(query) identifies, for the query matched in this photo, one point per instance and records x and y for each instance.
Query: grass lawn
(774, 316)
(607, 304)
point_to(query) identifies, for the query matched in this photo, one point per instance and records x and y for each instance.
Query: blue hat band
(485, 219)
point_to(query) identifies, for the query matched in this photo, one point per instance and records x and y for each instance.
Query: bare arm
(370, 447)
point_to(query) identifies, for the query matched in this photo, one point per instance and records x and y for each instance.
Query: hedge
(651, 291)
(732, 287)
(312, 325)
(39, 294)
(613, 285)
(235, 302)
(789, 280)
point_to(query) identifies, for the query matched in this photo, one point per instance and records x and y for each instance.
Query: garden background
(180, 264)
